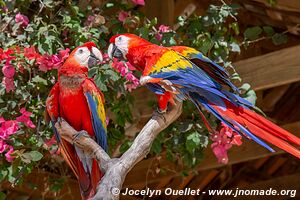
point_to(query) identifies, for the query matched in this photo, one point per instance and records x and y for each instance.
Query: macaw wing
(176, 74)
(95, 102)
(213, 69)
(52, 109)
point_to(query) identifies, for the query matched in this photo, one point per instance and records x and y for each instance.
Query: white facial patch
(122, 43)
(82, 56)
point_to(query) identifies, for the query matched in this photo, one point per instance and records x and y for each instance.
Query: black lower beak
(115, 52)
(92, 60)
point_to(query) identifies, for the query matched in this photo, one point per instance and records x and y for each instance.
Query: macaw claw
(80, 134)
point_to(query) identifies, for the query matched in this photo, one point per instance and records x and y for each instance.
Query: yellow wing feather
(169, 61)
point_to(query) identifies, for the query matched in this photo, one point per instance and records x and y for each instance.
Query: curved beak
(114, 52)
(95, 56)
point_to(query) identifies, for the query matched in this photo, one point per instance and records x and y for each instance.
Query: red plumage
(67, 100)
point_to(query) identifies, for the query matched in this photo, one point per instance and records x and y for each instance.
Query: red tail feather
(96, 175)
(87, 182)
(261, 127)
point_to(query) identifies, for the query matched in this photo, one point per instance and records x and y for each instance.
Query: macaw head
(83, 57)
(122, 44)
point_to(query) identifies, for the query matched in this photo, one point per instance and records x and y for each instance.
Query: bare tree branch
(82, 140)
(116, 169)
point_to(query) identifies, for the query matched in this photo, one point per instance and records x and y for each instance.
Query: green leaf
(279, 38)
(235, 28)
(245, 87)
(193, 140)
(2, 196)
(185, 126)
(38, 79)
(207, 44)
(48, 3)
(125, 146)
(236, 76)
(234, 47)
(35, 155)
(156, 146)
(251, 96)
(252, 33)
(3, 174)
(268, 30)
(272, 2)
(100, 84)
(108, 5)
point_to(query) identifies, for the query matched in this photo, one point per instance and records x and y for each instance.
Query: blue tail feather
(231, 123)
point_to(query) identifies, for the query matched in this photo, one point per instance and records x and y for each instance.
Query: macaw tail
(250, 124)
(85, 169)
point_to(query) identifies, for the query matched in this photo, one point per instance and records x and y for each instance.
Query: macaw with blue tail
(183, 73)
(76, 99)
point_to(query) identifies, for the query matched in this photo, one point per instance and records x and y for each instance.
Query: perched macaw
(183, 73)
(76, 99)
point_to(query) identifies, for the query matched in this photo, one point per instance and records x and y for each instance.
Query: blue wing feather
(212, 68)
(100, 131)
(195, 83)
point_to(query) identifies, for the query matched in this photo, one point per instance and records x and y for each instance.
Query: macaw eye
(120, 38)
(80, 51)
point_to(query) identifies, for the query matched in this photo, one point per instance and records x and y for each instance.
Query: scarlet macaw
(183, 73)
(76, 98)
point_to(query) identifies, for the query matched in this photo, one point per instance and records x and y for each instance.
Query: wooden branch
(116, 169)
(82, 140)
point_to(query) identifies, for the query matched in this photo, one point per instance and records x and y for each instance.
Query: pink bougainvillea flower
(25, 118)
(235, 138)
(130, 77)
(49, 145)
(162, 29)
(8, 156)
(51, 141)
(8, 128)
(130, 66)
(123, 15)
(7, 55)
(3, 146)
(8, 70)
(8, 84)
(107, 120)
(223, 141)
(139, 2)
(20, 68)
(122, 68)
(30, 53)
(4, 9)
(22, 20)
(220, 152)
(1, 54)
(105, 58)
(49, 62)
(64, 54)
(220, 146)
(158, 36)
